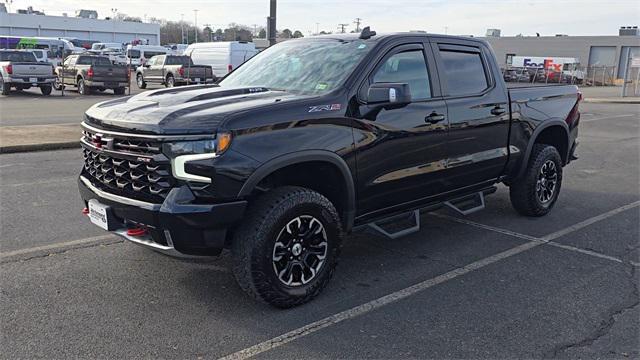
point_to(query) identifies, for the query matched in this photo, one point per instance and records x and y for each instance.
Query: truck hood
(183, 110)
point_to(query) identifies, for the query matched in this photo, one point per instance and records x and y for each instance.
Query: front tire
(286, 251)
(536, 192)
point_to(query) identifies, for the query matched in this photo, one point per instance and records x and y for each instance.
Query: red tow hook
(136, 231)
(85, 211)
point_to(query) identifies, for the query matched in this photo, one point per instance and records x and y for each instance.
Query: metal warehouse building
(606, 52)
(75, 27)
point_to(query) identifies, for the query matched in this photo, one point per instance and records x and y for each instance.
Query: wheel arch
(554, 132)
(344, 198)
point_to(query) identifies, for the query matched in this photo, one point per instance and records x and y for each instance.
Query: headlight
(184, 152)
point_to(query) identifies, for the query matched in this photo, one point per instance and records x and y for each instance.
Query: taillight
(9, 69)
(181, 71)
(229, 67)
(90, 72)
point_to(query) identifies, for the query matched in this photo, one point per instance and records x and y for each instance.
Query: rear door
(154, 71)
(478, 112)
(401, 151)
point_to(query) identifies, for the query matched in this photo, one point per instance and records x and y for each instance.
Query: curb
(611, 101)
(39, 147)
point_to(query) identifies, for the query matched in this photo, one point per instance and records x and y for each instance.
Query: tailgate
(110, 73)
(31, 69)
(198, 72)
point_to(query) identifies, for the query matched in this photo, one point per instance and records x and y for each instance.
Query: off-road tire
(140, 81)
(46, 89)
(253, 243)
(522, 191)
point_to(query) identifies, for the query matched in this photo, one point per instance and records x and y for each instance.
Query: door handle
(434, 117)
(498, 110)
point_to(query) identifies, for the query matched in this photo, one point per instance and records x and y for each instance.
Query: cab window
(407, 67)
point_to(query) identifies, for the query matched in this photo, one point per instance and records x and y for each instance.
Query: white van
(139, 54)
(222, 56)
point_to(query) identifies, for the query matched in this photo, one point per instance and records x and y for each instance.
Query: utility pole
(271, 22)
(196, 16)
(357, 21)
(342, 26)
(182, 28)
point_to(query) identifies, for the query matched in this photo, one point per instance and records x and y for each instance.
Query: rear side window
(464, 72)
(406, 67)
(17, 56)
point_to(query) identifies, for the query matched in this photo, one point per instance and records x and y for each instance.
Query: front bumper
(177, 227)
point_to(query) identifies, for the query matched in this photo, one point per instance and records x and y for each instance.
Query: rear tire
(170, 81)
(536, 192)
(5, 88)
(286, 251)
(82, 88)
(140, 81)
(46, 89)
(119, 91)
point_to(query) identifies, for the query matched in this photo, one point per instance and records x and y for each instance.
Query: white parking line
(404, 293)
(608, 117)
(55, 246)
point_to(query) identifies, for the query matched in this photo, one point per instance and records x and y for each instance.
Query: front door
(401, 151)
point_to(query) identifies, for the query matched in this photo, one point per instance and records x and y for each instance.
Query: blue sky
(464, 17)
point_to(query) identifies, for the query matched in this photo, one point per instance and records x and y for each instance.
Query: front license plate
(196, 79)
(98, 214)
(33, 80)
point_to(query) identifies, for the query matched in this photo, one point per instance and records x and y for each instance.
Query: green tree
(262, 34)
(286, 34)
(297, 34)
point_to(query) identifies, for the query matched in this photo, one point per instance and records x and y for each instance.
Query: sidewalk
(607, 94)
(39, 137)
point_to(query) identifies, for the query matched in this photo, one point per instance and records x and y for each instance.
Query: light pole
(182, 28)
(317, 28)
(196, 16)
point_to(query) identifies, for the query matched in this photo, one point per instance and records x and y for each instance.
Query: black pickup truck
(316, 137)
(92, 72)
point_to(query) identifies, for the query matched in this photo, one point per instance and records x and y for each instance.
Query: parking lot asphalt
(490, 285)
(29, 107)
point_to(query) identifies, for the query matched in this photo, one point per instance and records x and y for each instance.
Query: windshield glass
(17, 56)
(134, 54)
(301, 66)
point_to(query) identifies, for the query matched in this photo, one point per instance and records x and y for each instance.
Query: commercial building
(77, 27)
(603, 52)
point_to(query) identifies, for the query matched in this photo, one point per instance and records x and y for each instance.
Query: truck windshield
(301, 66)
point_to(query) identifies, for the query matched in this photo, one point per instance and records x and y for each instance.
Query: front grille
(127, 167)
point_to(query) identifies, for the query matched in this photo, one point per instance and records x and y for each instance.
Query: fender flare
(300, 157)
(532, 140)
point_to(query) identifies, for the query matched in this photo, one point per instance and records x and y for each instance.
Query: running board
(467, 204)
(415, 227)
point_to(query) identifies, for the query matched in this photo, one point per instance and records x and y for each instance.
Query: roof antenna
(367, 33)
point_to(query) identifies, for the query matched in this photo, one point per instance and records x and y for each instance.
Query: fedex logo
(546, 64)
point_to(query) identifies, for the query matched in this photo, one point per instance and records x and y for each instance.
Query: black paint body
(394, 162)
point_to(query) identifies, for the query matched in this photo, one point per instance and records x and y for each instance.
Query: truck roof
(382, 36)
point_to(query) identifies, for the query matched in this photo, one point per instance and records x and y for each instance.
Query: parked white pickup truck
(21, 70)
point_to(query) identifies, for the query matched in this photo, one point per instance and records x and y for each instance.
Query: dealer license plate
(98, 214)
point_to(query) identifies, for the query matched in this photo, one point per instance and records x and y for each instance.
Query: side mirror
(386, 94)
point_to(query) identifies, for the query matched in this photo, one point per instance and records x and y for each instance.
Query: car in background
(176, 49)
(172, 70)
(222, 56)
(516, 75)
(139, 54)
(102, 46)
(21, 70)
(92, 72)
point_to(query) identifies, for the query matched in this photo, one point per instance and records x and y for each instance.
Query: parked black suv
(314, 137)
